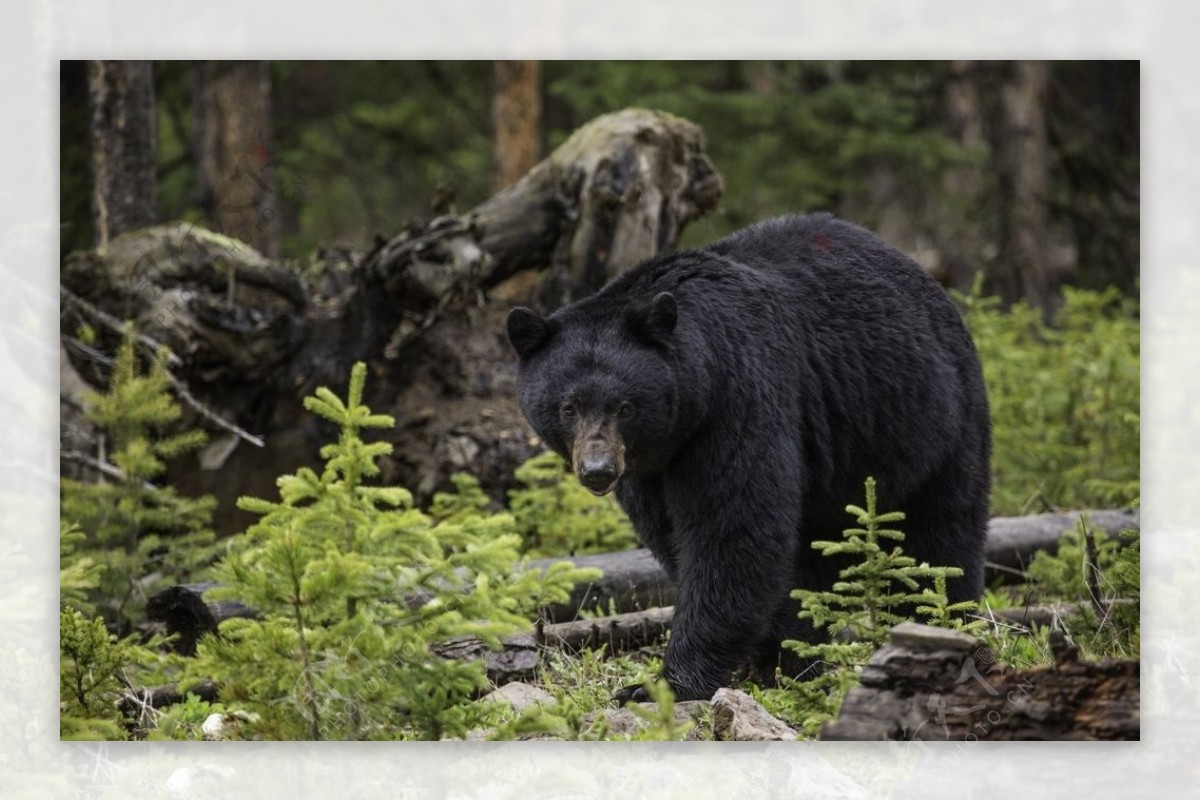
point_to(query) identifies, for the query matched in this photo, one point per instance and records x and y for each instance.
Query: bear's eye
(568, 412)
(625, 410)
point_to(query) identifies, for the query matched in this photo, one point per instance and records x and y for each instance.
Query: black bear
(736, 396)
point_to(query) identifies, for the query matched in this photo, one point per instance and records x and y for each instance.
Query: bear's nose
(598, 475)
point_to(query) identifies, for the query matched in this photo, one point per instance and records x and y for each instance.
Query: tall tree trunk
(236, 168)
(958, 233)
(122, 134)
(1022, 161)
(517, 120)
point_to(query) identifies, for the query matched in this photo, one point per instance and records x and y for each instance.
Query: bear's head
(599, 387)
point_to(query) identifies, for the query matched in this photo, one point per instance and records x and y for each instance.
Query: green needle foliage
(128, 523)
(1102, 574)
(878, 589)
(875, 591)
(1064, 397)
(94, 670)
(79, 574)
(558, 517)
(355, 587)
(91, 660)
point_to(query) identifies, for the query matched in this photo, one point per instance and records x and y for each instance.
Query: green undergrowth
(358, 589)
(1064, 397)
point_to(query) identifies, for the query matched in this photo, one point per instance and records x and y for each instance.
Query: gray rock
(625, 722)
(920, 637)
(520, 696)
(737, 716)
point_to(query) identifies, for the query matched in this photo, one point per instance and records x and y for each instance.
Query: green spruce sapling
(142, 536)
(355, 587)
(876, 591)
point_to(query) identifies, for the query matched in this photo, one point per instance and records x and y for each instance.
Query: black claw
(635, 693)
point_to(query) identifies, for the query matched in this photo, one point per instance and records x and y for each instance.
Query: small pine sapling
(144, 537)
(878, 590)
(355, 587)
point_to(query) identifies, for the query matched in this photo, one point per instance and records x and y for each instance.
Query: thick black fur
(788, 362)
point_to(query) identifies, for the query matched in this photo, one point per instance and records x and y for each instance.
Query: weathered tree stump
(935, 684)
(425, 309)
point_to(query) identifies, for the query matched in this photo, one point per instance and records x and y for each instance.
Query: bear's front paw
(635, 693)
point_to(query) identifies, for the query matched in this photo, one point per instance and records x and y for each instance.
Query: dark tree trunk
(236, 168)
(1021, 152)
(957, 224)
(517, 120)
(122, 143)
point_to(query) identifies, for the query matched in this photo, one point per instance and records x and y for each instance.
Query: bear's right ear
(655, 321)
(528, 331)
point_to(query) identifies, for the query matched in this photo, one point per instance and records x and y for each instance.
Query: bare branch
(106, 468)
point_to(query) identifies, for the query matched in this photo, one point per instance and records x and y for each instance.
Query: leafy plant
(355, 587)
(1064, 399)
(127, 522)
(185, 720)
(1102, 575)
(877, 590)
(89, 687)
(557, 516)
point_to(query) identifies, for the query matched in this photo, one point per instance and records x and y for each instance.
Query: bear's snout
(599, 458)
(598, 473)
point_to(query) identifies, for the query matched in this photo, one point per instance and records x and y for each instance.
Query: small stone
(625, 722)
(737, 716)
(920, 637)
(213, 726)
(461, 450)
(521, 696)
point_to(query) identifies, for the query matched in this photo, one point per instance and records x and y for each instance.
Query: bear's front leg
(644, 504)
(736, 537)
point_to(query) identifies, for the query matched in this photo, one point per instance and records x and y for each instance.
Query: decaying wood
(164, 695)
(1012, 542)
(521, 655)
(617, 633)
(425, 310)
(633, 581)
(619, 190)
(935, 684)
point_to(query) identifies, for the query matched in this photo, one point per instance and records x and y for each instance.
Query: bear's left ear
(528, 330)
(655, 321)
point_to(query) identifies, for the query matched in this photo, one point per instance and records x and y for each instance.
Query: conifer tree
(875, 592)
(140, 536)
(354, 586)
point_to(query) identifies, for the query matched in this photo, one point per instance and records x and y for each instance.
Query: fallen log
(1012, 542)
(520, 655)
(936, 684)
(633, 581)
(617, 633)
